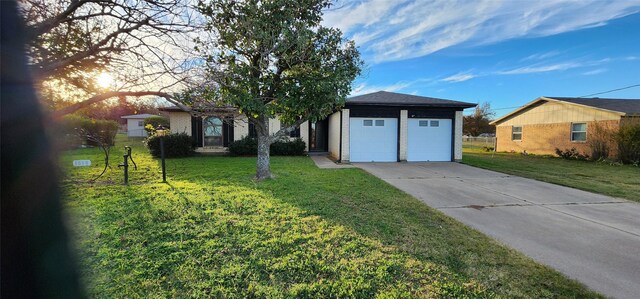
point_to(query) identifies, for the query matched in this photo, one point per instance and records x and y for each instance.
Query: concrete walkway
(592, 238)
(324, 162)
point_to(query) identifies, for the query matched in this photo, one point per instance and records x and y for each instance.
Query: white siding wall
(134, 129)
(457, 142)
(403, 135)
(304, 134)
(552, 112)
(180, 122)
(345, 135)
(334, 135)
(240, 127)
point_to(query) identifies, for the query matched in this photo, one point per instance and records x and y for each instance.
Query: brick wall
(545, 138)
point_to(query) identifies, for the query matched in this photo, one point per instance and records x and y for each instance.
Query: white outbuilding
(135, 124)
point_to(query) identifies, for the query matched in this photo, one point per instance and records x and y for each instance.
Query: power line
(608, 91)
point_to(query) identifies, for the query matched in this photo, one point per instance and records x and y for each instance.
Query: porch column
(345, 136)
(403, 135)
(457, 143)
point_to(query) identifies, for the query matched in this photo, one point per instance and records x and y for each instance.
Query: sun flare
(104, 80)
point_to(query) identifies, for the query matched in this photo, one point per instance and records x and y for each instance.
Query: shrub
(571, 154)
(248, 146)
(600, 141)
(152, 122)
(293, 147)
(628, 139)
(175, 145)
(90, 131)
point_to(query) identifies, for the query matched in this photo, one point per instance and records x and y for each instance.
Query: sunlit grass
(213, 231)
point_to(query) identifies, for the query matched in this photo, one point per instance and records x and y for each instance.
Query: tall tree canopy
(274, 59)
(478, 122)
(139, 43)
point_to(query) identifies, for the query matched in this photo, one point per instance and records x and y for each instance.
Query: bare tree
(145, 45)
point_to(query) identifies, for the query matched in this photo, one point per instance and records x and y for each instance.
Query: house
(548, 123)
(381, 127)
(135, 124)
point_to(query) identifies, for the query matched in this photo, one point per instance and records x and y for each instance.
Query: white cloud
(540, 69)
(594, 72)
(459, 78)
(541, 56)
(364, 88)
(388, 30)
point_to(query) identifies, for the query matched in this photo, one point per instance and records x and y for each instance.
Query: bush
(90, 131)
(152, 122)
(293, 147)
(175, 145)
(571, 154)
(628, 139)
(600, 141)
(248, 146)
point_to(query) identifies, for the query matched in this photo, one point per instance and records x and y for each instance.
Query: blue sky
(504, 52)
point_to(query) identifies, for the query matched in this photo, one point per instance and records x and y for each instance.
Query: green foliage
(152, 122)
(248, 146)
(293, 147)
(628, 140)
(82, 130)
(571, 154)
(279, 61)
(175, 145)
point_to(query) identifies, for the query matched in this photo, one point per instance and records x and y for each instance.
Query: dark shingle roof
(628, 106)
(399, 99)
(171, 109)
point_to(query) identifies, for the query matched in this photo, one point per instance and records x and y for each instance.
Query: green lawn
(326, 233)
(614, 180)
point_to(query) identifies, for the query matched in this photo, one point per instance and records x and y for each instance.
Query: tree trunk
(263, 170)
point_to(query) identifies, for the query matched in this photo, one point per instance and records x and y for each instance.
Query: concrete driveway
(592, 238)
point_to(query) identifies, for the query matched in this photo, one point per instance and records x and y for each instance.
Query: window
(295, 133)
(435, 123)
(423, 123)
(141, 123)
(379, 123)
(516, 133)
(579, 132)
(367, 123)
(252, 131)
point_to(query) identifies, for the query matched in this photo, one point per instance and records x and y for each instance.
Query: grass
(598, 177)
(213, 231)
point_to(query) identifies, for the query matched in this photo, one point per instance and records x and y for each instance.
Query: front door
(318, 136)
(212, 131)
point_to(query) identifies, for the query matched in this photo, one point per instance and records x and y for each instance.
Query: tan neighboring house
(547, 123)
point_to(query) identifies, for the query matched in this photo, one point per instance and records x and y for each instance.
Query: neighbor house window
(367, 123)
(516, 133)
(579, 132)
(141, 123)
(423, 123)
(434, 123)
(380, 123)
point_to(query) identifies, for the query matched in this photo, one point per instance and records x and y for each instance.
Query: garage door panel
(429, 139)
(373, 139)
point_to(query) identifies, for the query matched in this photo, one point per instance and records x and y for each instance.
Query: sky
(506, 53)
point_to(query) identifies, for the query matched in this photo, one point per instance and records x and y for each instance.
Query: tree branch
(113, 94)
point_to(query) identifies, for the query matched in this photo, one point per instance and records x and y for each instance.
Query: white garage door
(373, 139)
(429, 140)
